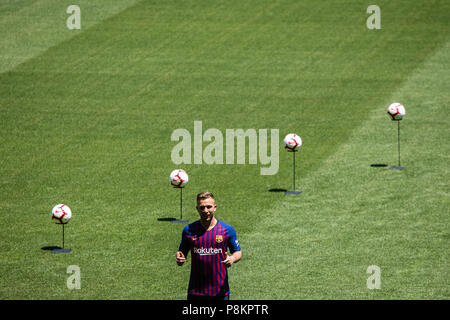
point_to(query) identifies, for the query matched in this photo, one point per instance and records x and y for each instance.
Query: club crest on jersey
(219, 238)
(194, 238)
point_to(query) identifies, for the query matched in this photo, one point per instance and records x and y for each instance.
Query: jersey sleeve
(233, 243)
(184, 245)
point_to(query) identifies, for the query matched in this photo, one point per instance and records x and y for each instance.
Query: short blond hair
(205, 195)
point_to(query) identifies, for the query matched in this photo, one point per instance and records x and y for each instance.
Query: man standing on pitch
(208, 240)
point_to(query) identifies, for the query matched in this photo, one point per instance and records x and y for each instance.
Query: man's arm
(235, 248)
(183, 249)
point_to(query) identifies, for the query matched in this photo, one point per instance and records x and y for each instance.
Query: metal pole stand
(181, 210)
(293, 176)
(399, 167)
(62, 250)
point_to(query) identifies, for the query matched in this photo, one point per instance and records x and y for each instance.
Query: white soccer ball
(292, 142)
(396, 111)
(61, 213)
(178, 178)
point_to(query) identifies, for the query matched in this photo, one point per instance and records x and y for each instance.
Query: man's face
(206, 209)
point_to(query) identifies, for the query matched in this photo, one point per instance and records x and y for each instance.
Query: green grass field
(87, 117)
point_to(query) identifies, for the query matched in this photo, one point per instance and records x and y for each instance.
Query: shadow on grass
(378, 165)
(50, 248)
(277, 190)
(166, 219)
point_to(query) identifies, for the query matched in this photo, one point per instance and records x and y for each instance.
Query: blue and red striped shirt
(209, 276)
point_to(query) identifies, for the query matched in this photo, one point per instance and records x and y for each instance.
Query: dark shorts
(193, 297)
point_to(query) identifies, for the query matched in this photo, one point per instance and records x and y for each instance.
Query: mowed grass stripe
(83, 77)
(351, 216)
(32, 28)
(53, 72)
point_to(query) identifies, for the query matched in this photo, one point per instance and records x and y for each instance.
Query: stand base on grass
(292, 192)
(396, 168)
(179, 221)
(61, 250)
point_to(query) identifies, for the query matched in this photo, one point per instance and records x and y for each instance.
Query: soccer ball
(61, 213)
(178, 178)
(292, 142)
(396, 111)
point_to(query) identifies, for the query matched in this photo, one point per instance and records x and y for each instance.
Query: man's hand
(180, 258)
(229, 260)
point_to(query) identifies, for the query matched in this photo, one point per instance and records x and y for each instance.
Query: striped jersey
(209, 276)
